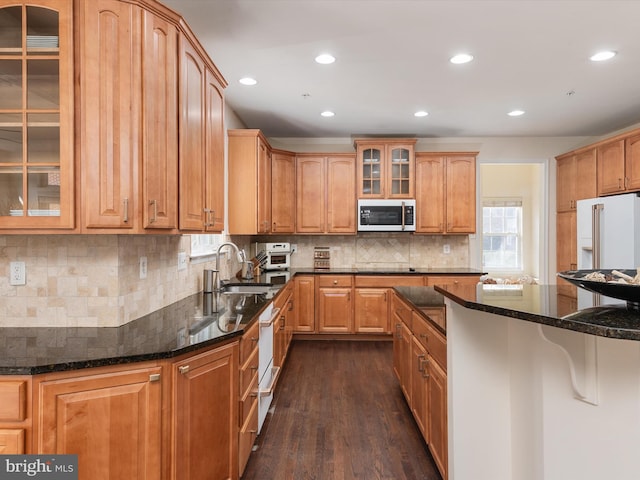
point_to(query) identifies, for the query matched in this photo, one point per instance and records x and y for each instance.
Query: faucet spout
(239, 254)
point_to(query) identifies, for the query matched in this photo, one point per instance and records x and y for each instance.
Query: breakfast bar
(535, 392)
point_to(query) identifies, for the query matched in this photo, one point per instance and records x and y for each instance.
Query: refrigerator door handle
(595, 233)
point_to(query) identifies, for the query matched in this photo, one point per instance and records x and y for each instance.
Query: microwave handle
(403, 216)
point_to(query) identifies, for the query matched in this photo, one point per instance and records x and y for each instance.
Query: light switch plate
(143, 267)
(182, 261)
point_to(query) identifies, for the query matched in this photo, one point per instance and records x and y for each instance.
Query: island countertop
(539, 304)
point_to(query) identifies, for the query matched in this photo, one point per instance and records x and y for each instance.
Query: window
(205, 244)
(502, 234)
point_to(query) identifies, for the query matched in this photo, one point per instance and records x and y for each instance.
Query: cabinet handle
(283, 320)
(291, 305)
(385, 297)
(154, 377)
(154, 217)
(398, 331)
(420, 365)
(254, 339)
(254, 368)
(208, 214)
(184, 369)
(335, 282)
(424, 335)
(125, 217)
(619, 184)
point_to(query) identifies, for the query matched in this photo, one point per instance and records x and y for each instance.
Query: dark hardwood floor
(338, 413)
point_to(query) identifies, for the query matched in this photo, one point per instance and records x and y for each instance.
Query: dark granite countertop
(422, 298)
(169, 332)
(391, 271)
(539, 304)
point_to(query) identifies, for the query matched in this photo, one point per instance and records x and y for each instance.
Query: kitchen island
(534, 394)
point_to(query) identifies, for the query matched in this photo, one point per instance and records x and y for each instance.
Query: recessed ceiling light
(421, 113)
(602, 56)
(461, 58)
(515, 113)
(325, 59)
(248, 81)
(327, 113)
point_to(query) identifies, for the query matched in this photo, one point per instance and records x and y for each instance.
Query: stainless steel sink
(247, 289)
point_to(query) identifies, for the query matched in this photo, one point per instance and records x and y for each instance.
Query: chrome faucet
(240, 255)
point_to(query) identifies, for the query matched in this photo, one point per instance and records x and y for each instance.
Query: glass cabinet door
(36, 105)
(371, 164)
(400, 175)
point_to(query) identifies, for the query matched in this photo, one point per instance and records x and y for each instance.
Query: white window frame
(204, 246)
(518, 234)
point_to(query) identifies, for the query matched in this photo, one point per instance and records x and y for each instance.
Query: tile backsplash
(94, 280)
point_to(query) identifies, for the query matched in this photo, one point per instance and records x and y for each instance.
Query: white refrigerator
(608, 232)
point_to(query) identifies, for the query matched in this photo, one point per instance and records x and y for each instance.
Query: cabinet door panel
(611, 175)
(335, 310)
(214, 155)
(419, 386)
(192, 139)
(371, 310)
(585, 180)
(429, 194)
(160, 127)
(632, 163)
(461, 194)
(437, 418)
(341, 195)
(566, 250)
(110, 113)
(304, 301)
(310, 188)
(283, 192)
(112, 421)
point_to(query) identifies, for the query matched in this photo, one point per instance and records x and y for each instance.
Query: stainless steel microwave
(386, 215)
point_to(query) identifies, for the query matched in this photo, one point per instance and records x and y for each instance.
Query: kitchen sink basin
(247, 289)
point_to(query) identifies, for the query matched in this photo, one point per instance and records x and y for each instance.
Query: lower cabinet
(371, 310)
(335, 305)
(112, 420)
(205, 415)
(419, 362)
(15, 414)
(248, 390)
(303, 320)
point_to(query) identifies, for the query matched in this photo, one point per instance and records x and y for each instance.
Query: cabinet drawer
(247, 437)
(248, 398)
(389, 281)
(401, 310)
(434, 342)
(335, 280)
(11, 441)
(13, 400)
(247, 371)
(248, 342)
(452, 279)
(283, 295)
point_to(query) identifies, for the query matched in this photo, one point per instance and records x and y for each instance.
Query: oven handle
(275, 372)
(274, 315)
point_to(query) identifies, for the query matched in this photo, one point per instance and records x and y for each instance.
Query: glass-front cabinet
(385, 168)
(36, 114)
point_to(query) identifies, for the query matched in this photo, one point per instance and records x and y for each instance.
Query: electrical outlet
(446, 249)
(17, 273)
(143, 267)
(182, 261)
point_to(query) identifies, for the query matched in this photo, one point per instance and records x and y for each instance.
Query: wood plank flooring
(338, 414)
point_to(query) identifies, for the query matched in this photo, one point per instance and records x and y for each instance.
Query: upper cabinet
(619, 166)
(385, 168)
(326, 197)
(134, 145)
(576, 179)
(36, 115)
(283, 192)
(249, 182)
(201, 159)
(446, 193)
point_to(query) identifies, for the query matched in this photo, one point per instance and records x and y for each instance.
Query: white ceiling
(392, 60)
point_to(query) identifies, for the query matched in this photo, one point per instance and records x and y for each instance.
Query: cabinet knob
(184, 369)
(154, 377)
(335, 282)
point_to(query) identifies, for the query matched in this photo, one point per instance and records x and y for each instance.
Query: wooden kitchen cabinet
(201, 159)
(111, 418)
(437, 416)
(110, 98)
(419, 386)
(325, 194)
(205, 415)
(371, 310)
(632, 162)
(248, 394)
(335, 305)
(611, 167)
(249, 163)
(385, 168)
(15, 415)
(304, 304)
(159, 149)
(37, 177)
(446, 193)
(566, 249)
(576, 179)
(283, 192)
